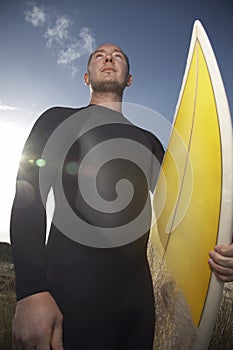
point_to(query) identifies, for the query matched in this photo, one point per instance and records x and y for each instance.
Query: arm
(221, 261)
(28, 216)
(37, 319)
(158, 153)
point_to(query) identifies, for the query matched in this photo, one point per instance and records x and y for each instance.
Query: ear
(86, 79)
(129, 80)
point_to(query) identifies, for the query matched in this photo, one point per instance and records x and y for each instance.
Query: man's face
(108, 70)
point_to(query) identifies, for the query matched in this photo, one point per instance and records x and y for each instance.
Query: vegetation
(7, 295)
(222, 338)
(5, 253)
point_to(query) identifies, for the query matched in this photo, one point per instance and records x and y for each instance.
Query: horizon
(46, 44)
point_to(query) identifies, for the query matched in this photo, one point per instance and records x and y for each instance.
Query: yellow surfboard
(193, 202)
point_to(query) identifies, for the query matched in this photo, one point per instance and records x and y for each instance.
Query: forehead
(108, 48)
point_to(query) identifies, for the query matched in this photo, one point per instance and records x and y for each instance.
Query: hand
(221, 261)
(37, 323)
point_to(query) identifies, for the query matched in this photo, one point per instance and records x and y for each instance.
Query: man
(100, 298)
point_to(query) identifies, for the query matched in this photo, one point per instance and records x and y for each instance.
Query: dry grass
(222, 338)
(7, 304)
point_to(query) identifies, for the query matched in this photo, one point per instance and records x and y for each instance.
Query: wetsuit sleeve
(28, 217)
(158, 154)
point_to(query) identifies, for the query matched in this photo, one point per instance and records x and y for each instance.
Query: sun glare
(12, 138)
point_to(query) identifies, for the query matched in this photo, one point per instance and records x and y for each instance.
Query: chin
(108, 86)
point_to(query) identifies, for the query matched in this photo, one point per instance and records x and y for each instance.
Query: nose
(108, 58)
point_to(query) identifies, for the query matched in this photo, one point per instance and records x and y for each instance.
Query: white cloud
(67, 47)
(4, 107)
(77, 48)
(35, 15)
(88, 40)
(59, 32)
(69, 55)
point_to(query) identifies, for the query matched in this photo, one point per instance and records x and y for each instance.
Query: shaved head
(100, 49)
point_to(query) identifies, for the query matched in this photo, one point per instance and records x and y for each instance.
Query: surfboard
(192, 205)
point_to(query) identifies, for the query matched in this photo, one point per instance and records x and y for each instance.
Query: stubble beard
(110, 86)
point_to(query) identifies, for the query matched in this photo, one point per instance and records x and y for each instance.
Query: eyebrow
(114, 50)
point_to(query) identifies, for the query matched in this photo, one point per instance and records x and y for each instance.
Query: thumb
(56, 338)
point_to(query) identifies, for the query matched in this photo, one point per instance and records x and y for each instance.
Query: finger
(221, 260)
(42, 346)
(21, 341)
(36, 342)
(16, 341)
(20, 345)
(225, 250)
(16, 345)
(56, 339)
(220, 270)
(224, 278)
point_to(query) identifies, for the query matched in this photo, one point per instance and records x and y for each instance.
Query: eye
(118, 55)
(99, 55)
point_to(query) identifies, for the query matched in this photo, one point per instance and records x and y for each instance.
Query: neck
(108, 100)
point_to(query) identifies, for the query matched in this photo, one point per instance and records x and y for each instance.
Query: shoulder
(53, 116)
(45, 125)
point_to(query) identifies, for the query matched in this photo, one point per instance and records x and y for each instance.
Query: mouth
(108, 69)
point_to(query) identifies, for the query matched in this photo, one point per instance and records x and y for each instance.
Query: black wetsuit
(103, 289)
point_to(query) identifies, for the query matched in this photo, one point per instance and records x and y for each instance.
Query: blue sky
(45, 46)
